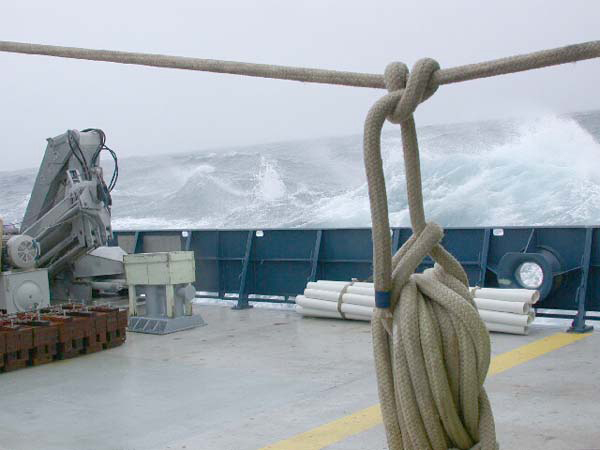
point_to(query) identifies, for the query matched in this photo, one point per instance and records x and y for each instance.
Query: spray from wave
(535, 172)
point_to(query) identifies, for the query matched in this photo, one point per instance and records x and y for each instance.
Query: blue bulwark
(275, 264)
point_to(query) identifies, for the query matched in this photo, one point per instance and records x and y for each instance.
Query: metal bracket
(483, 261)
(242, 302)
(578, 325)
(315, 256)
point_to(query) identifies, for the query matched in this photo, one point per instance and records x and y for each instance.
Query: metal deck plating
(256, 378)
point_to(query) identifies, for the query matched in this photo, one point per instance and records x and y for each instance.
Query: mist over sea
(535, 171)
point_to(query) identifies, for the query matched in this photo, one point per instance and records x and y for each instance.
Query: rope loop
(431, 348)
(417, 86)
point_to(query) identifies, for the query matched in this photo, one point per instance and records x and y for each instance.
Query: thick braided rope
(511, 64)
(432, 351)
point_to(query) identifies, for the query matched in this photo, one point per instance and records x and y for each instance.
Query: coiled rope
(432, 351)
(431, 348)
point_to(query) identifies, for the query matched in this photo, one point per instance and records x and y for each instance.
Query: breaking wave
(529, 172)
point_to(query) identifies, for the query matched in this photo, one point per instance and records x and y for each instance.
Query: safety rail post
(578, 325)
(188, 240)
(242, 302)
(315, 256)
(483, 261)
(220, 287)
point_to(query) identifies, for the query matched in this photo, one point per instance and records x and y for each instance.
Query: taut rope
(519, 63)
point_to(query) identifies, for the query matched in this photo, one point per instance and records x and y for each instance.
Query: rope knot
(414, 87)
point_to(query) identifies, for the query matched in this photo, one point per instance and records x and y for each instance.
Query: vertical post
(315, 256)
(220, 287)
(578, 325)
(132, 300)
(187, 310)
(483, 261)
(187, 247)
(188, 241)
(242, 295)
(170, 297)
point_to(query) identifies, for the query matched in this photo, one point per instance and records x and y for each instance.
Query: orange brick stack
(60, 332)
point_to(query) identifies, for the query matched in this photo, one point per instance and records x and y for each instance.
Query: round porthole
(530, 275)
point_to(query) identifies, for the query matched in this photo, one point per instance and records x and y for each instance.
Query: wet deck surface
(256, 377)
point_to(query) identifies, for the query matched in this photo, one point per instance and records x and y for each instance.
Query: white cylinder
(502, 328)
(330, 296)
(333, 283)
(508, 295)
(331, 306)
(500, 305)
(362, 300)
(361, 290)
(328, 314)
(521, 320)
(511, 295)
(323, 285)
(499, 308)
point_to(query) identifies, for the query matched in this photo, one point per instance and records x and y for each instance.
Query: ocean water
(534, 171)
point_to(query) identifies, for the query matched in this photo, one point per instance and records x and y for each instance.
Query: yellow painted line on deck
(370, 417)
(332, 432)
(527, 352)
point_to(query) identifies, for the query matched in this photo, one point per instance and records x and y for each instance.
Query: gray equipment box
(24, 290)
(166, 278)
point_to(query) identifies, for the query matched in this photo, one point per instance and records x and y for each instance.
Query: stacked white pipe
(323, 298)
(502, 310)
(506, 310)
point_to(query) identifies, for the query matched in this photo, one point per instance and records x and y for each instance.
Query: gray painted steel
(166, 279)
(163, 325)
(254, 377)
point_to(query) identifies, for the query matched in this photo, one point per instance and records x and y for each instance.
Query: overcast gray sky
(150, 111)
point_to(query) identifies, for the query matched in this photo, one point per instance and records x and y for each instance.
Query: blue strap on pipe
(382, 299)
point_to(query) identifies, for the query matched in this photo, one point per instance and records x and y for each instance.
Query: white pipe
(364, 288)
(508, 295)
(493, 327)
(361, 290)
(521, 320)
(330, 296)
(332, 306)
(502, 328)
(323, 285)
(503, 310)
(357, 299)
(328, 314)
(500, 305)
